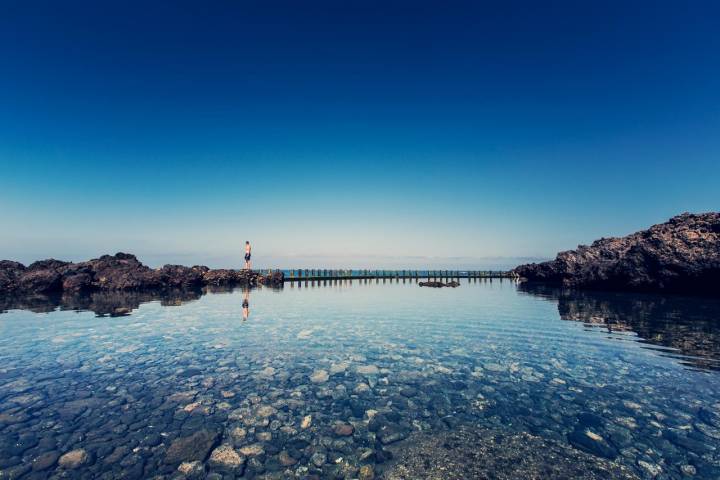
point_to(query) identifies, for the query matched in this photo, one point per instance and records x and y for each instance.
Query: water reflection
(330, 382)
(103, 304)
(678, 326)
(246, 304)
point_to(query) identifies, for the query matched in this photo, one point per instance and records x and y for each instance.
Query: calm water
(321, 381)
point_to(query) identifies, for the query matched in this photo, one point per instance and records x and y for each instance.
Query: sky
(353, 133)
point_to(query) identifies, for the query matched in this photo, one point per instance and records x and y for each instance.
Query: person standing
(248, 264)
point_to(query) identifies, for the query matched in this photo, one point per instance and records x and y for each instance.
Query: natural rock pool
(362, 380)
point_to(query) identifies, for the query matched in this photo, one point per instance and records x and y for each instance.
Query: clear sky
(355, 133)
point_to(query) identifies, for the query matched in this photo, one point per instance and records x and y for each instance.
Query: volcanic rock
(120, 272)
(178, 276)
(77, 282)
(225, 458)
(681, 255)
(40, 280)
(74, 459)
(9, 274)
(45, 461)
(192, 448)
(434, 284)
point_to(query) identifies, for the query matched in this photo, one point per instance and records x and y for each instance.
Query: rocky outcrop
(681, 255)
(9, 274)
(434, 284)
(120, 272)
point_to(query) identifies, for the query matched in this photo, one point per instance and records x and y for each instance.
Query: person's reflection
(246, 304)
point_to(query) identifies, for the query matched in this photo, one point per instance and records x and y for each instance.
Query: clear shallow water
(324, 380)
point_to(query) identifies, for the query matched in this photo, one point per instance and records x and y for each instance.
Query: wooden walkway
(311, 275)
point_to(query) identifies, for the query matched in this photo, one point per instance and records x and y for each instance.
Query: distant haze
(352, 134)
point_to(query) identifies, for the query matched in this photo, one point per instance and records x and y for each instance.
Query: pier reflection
(678, 326)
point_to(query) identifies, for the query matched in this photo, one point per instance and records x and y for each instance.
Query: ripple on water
(364, 381)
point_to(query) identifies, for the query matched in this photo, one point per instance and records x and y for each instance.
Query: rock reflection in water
(113, 304)
(684, 327)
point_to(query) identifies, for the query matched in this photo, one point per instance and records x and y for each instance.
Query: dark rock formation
(120, 272)
(178, 276)
(435, 284)
(682, 255)
(221, 277)
(195, 447)
(40, 280)
(9, 274)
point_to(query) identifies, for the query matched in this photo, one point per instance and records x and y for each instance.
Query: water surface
(329, 381)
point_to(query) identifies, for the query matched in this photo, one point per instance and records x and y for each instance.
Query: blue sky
(351, 133)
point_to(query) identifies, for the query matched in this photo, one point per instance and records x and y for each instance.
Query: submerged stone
(226, 458)
(591, 442)
(265, 411)
(343, 429)
(710, 417)
(252, 450)
(286, 459)
(652, 469)
(319, 376)
(368, 370)
(74, 459)
(366, 472)
(469, 452)
(390, 434)
(337, 368)
(192, 470)
(306, 422)
(194, 447)
(45, 461)
(707, 430)
(318, 459)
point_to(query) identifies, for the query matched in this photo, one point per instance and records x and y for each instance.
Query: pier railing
(314, 274)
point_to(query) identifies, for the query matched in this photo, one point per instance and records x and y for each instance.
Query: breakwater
(296, 275)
